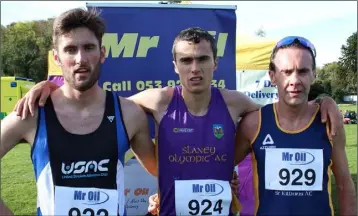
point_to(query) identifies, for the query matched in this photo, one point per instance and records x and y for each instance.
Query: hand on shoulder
(239, 102)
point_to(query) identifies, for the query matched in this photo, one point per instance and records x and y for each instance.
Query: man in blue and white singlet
(79, 138)
(292, 154)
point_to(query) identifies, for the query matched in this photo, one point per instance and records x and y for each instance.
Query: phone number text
(141, 85)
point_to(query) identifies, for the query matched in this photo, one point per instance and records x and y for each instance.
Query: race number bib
(85, 201)
(293, 169)
(202, 197)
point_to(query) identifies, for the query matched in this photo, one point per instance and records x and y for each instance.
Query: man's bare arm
(4, 210)
(154, 100)
(345, 187)
(40, 92)
(13, 129)
(141, 143)
(330, 111)
(238, 103)
(245, 134)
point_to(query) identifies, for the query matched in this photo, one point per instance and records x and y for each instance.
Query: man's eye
(71, 50)
(186, 60)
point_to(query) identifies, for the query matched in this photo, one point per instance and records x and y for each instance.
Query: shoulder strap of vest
(122, 135)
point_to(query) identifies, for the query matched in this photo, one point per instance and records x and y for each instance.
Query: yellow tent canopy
(253, 53)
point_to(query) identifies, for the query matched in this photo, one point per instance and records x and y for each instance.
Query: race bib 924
(293, 169)
(202, 197)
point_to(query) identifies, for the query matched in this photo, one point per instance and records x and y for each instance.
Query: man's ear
(216, 61)
(175, 67)
(272, 77)
(103, 54)
(314, 76)
(56, 57)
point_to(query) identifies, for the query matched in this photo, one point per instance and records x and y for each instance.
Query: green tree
(328, 75)
(317, 89)
(2, 33)
(24, 49)
(43, 32)
(19, 49)
(328, 71)
(338, 94)
(348, 63)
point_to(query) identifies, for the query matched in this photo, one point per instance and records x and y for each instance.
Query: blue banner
(139, 40)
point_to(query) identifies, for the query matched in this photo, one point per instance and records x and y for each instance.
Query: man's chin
(294, 102)
(82, 87)
(199, 89)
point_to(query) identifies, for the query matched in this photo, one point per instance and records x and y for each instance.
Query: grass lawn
(18, 188)
(348, 107)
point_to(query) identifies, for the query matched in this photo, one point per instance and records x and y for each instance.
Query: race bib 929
(202, 197)
(293, 169)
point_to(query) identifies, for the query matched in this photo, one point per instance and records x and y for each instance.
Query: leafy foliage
(24, 49)
(339, 78)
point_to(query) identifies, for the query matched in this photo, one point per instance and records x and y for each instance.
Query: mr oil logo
(298, 158)
(95, 197)
(210, 189)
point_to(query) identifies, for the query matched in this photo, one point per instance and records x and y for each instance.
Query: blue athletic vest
(95, 160)
(292, 169)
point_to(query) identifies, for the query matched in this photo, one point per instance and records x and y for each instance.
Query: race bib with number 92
(293, 169)
(202, 197)
(85, 201)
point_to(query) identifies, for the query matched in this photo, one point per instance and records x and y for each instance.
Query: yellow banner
(53, 69)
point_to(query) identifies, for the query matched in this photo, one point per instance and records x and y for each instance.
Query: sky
(326, 24)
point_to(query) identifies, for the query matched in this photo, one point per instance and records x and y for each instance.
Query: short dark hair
(76, 18)
(296, 44)
(195, 35)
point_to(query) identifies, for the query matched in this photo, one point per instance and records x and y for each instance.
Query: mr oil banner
(139, 40)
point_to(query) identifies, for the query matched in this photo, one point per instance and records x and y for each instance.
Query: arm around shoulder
(345, 187)
(239, 101)
(13, 129)
(139, 136)
(154, 99)
(246, 133)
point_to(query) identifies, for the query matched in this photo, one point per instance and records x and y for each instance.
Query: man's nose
(294, 78)
(195, 68)
(81, 57)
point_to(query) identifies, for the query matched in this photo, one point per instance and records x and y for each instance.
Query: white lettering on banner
(257, 85)
(202, 197)
(85, 201)
(289, 169)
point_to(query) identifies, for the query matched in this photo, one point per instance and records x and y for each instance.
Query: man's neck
(293, 117)
(291, 113)
(82, 99)
(197, 104)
